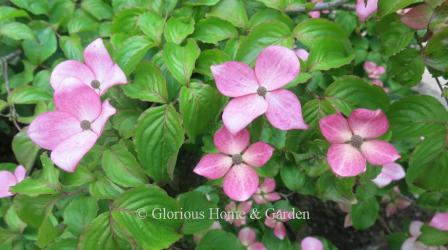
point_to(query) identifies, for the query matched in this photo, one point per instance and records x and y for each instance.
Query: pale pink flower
(365, 10)
(236, 162)
(302, 54)
(72, 130)
(276, 221)
(9, 179)
(236, 214)
(389, 172)
(265, 192)
(98, 71)
(248, 238)
(316, 13)
(440, 221)
(257, 92)
(412, 244)
(373, 70)
(311, 243)
(353, 141)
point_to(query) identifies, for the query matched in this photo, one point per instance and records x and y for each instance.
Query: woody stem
(339, 4)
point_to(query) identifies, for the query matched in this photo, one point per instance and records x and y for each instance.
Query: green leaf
(200, 107)
(293, 177)
(7, 13)
(132, 52)
(37, 51)
(13, 221)
(357, 93)
(152, 232)
(37, 7)
(213, 30)
(432, 236)
(97, 8)
(17, 31)
(328, 53)
(127, 18)
(71, 46)
(232, 11)
(48, 231)
(406, 67)
(103, 188)
(416, 116)
(268, 15)
(272, 242)
(33, 210)
(260, 37)
(158, 137)
(99, 234)
(196, 202)
(177, 29)
(365, 213)
(219, 240)
(435, 53)
(124, 121)
(149, 84)
(276, 4)
(28, 95)
(33, 187)
(152, 25)
(200, 2)
(180, 60)
(122, 168)
(208, 58)
(308, 31)
(82, 22)
(79, 213)
(24, 149)
(386, 7)
(393, 34)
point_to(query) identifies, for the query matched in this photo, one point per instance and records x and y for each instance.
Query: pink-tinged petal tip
(284, 110)
(258, 154)
(241, 182)
(345, 160)
(311, 243)
(213, 166)
(229, 143)
(368, 124)
(335, 128)
(234, 79)
(365, 10)
(440, 221)
(247, 236)
(241, 111)
(379, 152)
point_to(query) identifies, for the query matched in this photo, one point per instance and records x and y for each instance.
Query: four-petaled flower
(265, 192)
(389, 172)
(353, 141)
(236, 214)
(98, 70)
(248, 238)
(311, 243)
(365, 10)
(276, 221)
(9, 179)
(235, 162)
(257, 92)
(72, 130)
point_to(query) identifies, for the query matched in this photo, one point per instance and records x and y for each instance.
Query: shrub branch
(339, 4)
(12, 109)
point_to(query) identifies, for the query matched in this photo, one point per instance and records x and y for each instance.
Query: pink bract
(248, 238)
(265, 192)
(73, 128)
(236, 162)
(440, 221)
(237, 213)
(365, 10)
(98, 71)
(353, 141)
(389, 172)
(311, 243)
(276, 221)
(302, 54)
(9, 179)
(373, 70)
(259, 91)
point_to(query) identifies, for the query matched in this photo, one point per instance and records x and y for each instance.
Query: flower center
(85, 125)
(356, 141)
(95, 84)
(237, 159)
(261, 91)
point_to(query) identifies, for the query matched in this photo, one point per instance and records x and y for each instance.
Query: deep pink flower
(353, 141)
(276, 221)
(389, 172)
(257, 92)
(365, 10)
(98, 70)
(265, 192)
(9, 179)
(302, 54)
(440, 221)
(311, 243)
(236, 162)
(373, 70)
(236, 215)
(72, 130)
(248, 238)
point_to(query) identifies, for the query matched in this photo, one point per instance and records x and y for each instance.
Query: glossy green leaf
(219, 240)
(435, 53)
(79, 213)
(17, 31)
(177, 29)
(213, 30)
(328, 53)
(37, 51)
(386, 7)
(24, 149)
(406, 67)
(308, 31)
(180, 60)
(196, 203)
(365, 213)
(132, 52)
(233, 11)
(152, 25)
(393, 34)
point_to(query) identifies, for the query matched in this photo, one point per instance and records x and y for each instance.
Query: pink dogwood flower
(265, 192)
(98, 70)
(440, 221)
(389, 172)
(413, 244)
(302, 54)
(236, 162)
(353, 141)
(257, 92)
(316, 13)
(365, 10)
(73, 129)
(311, 243)
(9, 179)
(276, 221)
(236, 214)
(248, 238)
(373, 70)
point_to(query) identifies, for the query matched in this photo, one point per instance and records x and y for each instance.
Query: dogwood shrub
(224, 124)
